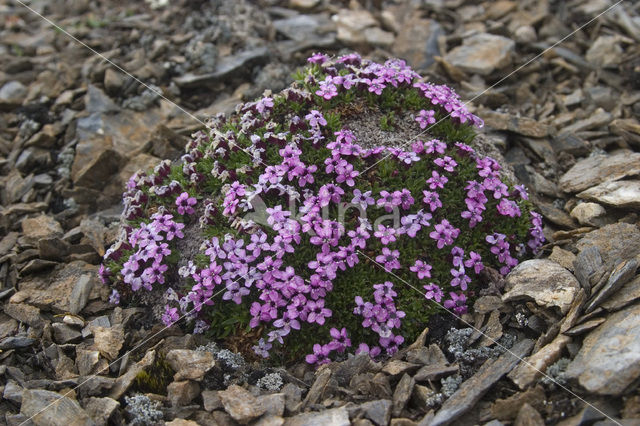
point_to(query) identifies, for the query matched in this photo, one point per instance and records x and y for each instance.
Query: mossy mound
(322, 217)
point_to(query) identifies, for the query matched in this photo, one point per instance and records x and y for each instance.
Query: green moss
(155, 378)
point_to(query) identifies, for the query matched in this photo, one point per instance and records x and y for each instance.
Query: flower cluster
(307, 230)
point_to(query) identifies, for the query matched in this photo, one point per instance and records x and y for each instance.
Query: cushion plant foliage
(293, 227)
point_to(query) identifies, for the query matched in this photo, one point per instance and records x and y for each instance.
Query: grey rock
(273, 404)
(475, 387)
(526, 373)
(616, 242)
(571, 144)
(544, 281)
(417, 41)
(53, 409)
(182, 392)
(190, 365)
(101, 321)
(16, 342)
(586, 264)
(124, 381)
(303, 28)
(13, 392)
(42, 226)
(378, 411)
(357, 364)
(435, 371)
(521, 125)
(80, 293)
(240, 404)
(97, 102)
(402, 393)
(86, 361)
(584, 327)
(211, 400)
(225, 68)
(332, 417)
(621, 274)
(12, 94)
(114, 81)
(596, 169)
(609, 360)
(293, 397)
(101, 409)
(317, 389)
(24, 313)
(620, 194)
(62, 333)
(351, 25)
(605, 52)
(482, 54)
(629, 293)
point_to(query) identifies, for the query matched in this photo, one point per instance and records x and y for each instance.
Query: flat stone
(620, 194)
(621, 274)
(24, 313)
(63, 333)
(528, 372)
(628, 293)
(108, 341)
(182, 392)
(123, 382)
(273, 404)
(435, 371)
(13, 392)
(426, 355)
(485, 304)
(598, 119)
(318, 387)
(563, 257)
(351, 25)
(241, 405)
(555, 215)
(101, 409)
(376, 36)
(616, 242)
(544, 281)
(226, 68)
(80, 293)
(190, 365)
(87, 361)
(293, 397)
(181, 422)
(482, 54)
(596, 169)
(16, 342)
(609, 360)
(586, 265)
(396, 367)
(97, 172)
(605, 51)
(528, 416)
(472, 390)
(417, 41)
(402, 393)
(507, 409)
(590, 214)
(53, 409)
(378, 411)
(521, 125)
(584, 327)
(302, 28)
(42, 226)
(332, 417)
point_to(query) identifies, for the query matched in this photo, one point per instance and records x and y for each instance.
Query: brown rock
(482, 54)
(620, 194)
(521, 125)
(533, 367)
(182, 392)
(42, 226)
(123, 382)
(507, 409)
(191, 365)
(46, 408)
(544, 281)
(97, 172)
(241, 405)
(417, 41)
(24, 313)
(528, 416)
(594, 170)
(333, 417)
(402, 393)
(396, 367)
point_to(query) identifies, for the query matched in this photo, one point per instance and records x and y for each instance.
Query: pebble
(378, 411)
(241, 405)
(590, 214)
(12, 94)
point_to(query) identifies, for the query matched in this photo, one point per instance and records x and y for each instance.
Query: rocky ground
(73, 129)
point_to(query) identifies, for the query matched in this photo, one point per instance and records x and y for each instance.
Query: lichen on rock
(293, 226)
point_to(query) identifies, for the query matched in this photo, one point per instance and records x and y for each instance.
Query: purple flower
(425, 118)
(317, 312)
(347, 174)
(170, 316)
(508, 208)
(114, 298)
(386, 235)
(384, 292)
(277, 217)
(389, 259)
(460, 278)
(422, 269)
(185, 203)
(327, 90)
(315, 118)
(362, 199)
(432, 199)
(373, 352)
(318, 58)
(444, 233)
(262, 348)
(446, 163)
(264, 104)
(457, 302)
(340, 341)
(391, 343)
(433, 292)
(388, 201)
(320, 355)
(436, 181)
(475, 262)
